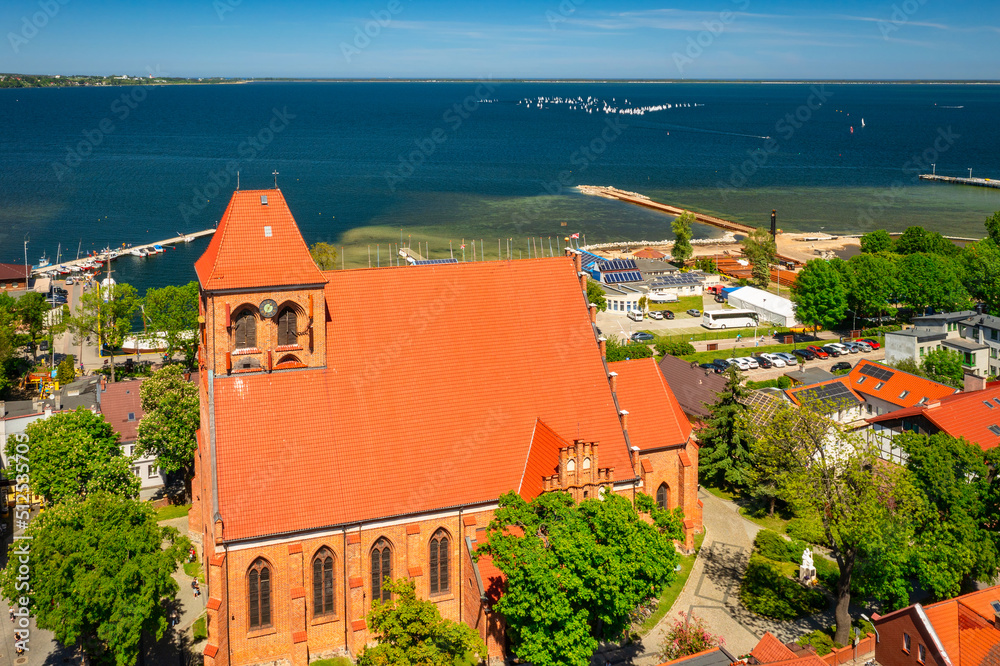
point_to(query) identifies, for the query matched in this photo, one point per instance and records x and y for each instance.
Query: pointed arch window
(259, 594)
(439, 560)
(288, 327)
(245, 329)
(381, 569)
(663, 496)
(323, 583)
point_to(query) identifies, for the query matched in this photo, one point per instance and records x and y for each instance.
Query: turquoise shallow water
(365, 163)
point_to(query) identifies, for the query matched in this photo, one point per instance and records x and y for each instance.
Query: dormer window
(245, 325)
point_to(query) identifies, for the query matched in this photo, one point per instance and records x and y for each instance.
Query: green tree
(681, 226)
(100, 572)
(876, 241)
(66, 371)
(981, 264)
(872, 285)
(927, 280)
(411, 632)
(575, 572)
(9, 340)
(759, 248)
(170, 419)
(834, 476)
(595, 295)
(74, 454)
(917, 239)
(172, 315)
(325, 255)
(724, 460)
(643, 303)
(706, 264)
(31, 311)
(616, 351)
(819, 295)
(955, 539)
(945, 366)
(993, 228)
(108, 322)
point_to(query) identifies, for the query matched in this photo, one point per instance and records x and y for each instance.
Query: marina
(96, 261)
(646, 202)
(976, 182)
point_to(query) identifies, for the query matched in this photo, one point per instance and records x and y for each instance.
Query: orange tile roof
(892, 389)
(543, 460)
(648, 253)
(655, 418)
(256, 245)
(978, 639)
(967, 415)
(943, 617)
(420, 410)
(118, 400)
(770, 649)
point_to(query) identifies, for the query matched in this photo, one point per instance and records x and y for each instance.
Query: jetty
(977, 182)
(646, 202)
(121, 251)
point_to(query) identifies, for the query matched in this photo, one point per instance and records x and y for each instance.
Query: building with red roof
(338, 447)
(974, 415)
(964, 631)
(887, 389)
(121, 407)
(649, 253)
(14, 277)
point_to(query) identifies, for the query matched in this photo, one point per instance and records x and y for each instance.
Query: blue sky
(773, 39)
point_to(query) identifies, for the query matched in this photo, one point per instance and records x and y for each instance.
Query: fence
(845, 655)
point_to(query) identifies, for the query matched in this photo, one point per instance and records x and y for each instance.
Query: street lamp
(970, 172)
(933, 168)
(869, 621)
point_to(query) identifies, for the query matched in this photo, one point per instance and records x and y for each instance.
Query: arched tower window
(663, 496)
(245, 328)
(259, 597)
(381, 569)
(323, 583)
(288, 327)
(439, 557)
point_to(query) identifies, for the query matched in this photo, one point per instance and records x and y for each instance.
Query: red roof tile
(391, 426)
(967, 415)
(119, 400)
(770, 649)
(543, 459)
(13, 271)
(655, 419)
(901, 389)
(648, 253)
(256, 245)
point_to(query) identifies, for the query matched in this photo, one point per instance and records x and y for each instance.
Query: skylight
(904, 394)
(990, 405)
(861, 380)
(879, 385)
(995, 429)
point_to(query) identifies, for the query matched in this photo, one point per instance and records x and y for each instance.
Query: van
(635, 315)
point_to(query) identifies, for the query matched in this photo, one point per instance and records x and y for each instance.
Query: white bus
(729, 318)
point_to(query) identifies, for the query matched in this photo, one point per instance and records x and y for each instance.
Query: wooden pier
(122, 252)
(977, 182)
(646, 202)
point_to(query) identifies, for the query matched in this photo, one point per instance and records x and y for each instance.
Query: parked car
(804, 354)
(694, 313)
(832, 351)
(667, 314)
(642, 336)
(871, 343)
(852, 347)
(741, 363)
(864, 346)
(752, 362)
(60, 291)
(635, 315)
(842, 365)
(775, 360)
(43, 345)
(69, 281)
(764, 362)
(721, 363)
(654, 314)
(789, 359)
(843, 349)
(817, 352)
(710, 366)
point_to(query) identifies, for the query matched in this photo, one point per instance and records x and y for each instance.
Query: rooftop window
(988, 404)
(904, 394)
(861, 380)
(879, 385)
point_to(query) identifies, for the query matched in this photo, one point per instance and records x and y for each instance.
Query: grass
(199, 629)
(681, 306)
(776, 522)
(173, 511)
(672, 591)
(720, 493)
(336, 661)
(193, 569)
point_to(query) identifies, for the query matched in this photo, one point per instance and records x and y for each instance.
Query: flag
(463, 246)
(575, 236)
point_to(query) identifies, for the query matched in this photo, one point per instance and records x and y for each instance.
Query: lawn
(193, 569)
(775, 522)
(199, 629)
(672, 591)
(681, 306)
(173, 511)
(720, 493)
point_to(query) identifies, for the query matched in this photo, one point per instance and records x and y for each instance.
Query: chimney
(613, 378)
(593, 311)
(624, 415)
(583, 280)
(602, 342)
(104, 384)
(979, 308)
(48, 410)
(973, 382)
(58, 397)
(635, 456)
(578, 260)
(996, 619)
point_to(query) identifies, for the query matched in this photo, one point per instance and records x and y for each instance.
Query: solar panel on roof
(618, 265)
(622, 276)
(429, 262)
(835, 392)
(877, 372)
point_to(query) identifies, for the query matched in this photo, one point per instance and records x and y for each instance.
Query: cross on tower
(275, 174)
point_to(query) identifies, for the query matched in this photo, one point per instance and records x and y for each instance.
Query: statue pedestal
(806, 574)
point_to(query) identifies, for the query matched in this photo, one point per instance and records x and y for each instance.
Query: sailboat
(862, 123)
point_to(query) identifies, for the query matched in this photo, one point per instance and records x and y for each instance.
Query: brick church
(361, 424)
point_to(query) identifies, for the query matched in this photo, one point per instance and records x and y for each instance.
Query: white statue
(807, 559)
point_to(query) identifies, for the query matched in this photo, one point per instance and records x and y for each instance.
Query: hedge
(674, 348)
(781, 382)
(767, 592)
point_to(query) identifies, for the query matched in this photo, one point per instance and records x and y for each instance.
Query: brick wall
(890, 649)
(845, 655)
(677, 469)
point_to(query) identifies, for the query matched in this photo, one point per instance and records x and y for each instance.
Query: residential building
(14, 277)
(337, 450)
(654, 267)
(833, 398)
(678, 284)
(694, 387)
(121, 407)
(887, 389)
(941, 331)
(648, 253)
(774, 309)
(964, 631)
(984, 329)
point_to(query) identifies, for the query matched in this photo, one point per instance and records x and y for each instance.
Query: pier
(119, 252)
(646, 202)
(976, 182)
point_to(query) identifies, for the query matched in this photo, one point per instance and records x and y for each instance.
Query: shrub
(772, 545)
(827, 571)
(619, 352)
(767, 592)
(820, 641)
(781, 382)
(807, 529)
(687, 636)
(784, 382)
(66, 371)
(674, 348)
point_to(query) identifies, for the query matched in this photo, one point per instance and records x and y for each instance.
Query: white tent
(775, 309)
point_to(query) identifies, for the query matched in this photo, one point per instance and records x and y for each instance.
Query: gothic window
(323, 583)
(245, 328)
(440, 582)
(663, 496)
(289, 361)
(287, 327)
(259, 597)
(381, 569)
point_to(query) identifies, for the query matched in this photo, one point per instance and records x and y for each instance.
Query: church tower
(262, 306)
